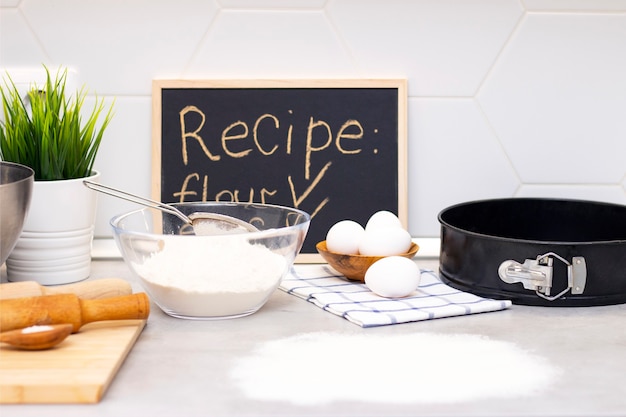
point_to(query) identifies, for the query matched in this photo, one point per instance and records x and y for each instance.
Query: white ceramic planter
(55, 244)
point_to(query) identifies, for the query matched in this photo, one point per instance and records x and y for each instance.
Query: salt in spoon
(203, 223)
(38, 337)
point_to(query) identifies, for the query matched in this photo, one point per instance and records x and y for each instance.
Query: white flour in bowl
(211, 277)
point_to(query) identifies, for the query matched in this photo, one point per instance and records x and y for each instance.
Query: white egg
(344, 237)
(393, 277)
(385, 241)
(381, 219)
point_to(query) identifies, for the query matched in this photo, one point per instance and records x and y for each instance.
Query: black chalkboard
(333, 148)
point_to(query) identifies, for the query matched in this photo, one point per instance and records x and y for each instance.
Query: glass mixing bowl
(211, 277)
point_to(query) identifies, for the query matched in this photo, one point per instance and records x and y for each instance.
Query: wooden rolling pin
(19, 313)
(92, 290)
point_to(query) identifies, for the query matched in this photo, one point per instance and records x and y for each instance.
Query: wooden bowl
(354, 266)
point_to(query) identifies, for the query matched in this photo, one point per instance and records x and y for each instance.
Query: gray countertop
(182, 367)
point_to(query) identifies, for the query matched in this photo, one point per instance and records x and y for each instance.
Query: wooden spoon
(37, 337)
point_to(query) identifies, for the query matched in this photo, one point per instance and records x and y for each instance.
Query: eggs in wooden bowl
(354, 267)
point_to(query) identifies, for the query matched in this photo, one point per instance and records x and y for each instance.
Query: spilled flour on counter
(320, 368)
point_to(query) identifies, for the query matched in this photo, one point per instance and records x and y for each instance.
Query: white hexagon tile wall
(506, 97)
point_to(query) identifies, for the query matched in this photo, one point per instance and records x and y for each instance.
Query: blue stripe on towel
(355, 302)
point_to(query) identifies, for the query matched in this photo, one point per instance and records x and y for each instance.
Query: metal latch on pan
(536, 274)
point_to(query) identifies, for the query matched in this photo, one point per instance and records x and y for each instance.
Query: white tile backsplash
(560, 113)
(18, 44)
(271, 44)
(125, 157)
(120, 46)
(272, 4)
(611, 193)
(575, 5)
(443, 47)
(506, 97)
(455, 155)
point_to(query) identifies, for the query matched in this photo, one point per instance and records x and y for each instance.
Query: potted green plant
(51, 131)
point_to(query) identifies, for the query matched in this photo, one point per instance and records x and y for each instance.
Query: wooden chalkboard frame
(400, 85)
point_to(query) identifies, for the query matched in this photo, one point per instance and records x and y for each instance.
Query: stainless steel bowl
(16, 185)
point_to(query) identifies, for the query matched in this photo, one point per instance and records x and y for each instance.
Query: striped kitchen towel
(352, 300)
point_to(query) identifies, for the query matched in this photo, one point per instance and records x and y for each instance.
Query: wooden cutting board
(79, 370)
